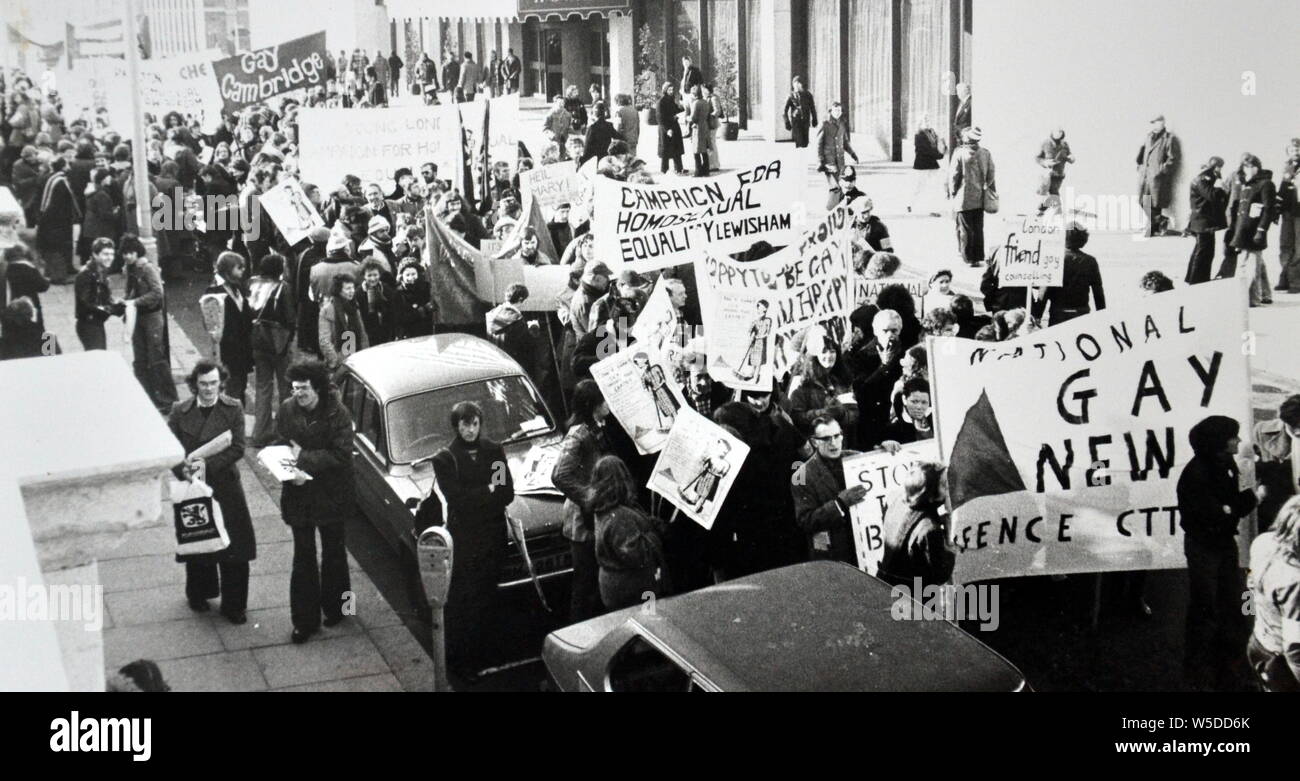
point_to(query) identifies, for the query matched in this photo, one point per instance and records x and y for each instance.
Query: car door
(370, 462)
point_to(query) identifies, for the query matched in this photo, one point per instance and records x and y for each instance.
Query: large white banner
(1064, 447)
(881, 474)
(697, 466)
(373, 143)
(641, 392)
(653, 226)
(184, 83)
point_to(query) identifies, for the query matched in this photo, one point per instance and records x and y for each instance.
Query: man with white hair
(881, 367)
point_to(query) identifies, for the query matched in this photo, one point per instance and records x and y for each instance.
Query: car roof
(820, 626)
(424, 363)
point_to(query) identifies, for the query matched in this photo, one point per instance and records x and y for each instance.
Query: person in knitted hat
(379, 244)
(338, 260)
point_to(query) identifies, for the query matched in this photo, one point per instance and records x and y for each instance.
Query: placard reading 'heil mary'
(1064, 447)
(652, 226)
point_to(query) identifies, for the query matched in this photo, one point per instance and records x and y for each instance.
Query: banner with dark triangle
(980, 463)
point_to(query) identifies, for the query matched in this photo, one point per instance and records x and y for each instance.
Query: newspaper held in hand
(280, 462)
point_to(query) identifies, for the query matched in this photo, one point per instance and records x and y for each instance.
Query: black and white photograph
(526, 347)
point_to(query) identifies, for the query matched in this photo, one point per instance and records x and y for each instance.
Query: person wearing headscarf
(1210, 505)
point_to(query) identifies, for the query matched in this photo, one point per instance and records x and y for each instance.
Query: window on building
(754, 58)
(926, 38)
(688, 36)
(824, 53)
(871, 109)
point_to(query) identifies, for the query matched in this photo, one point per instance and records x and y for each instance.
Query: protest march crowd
(756, 424)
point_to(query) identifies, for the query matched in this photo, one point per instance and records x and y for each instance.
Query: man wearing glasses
(821, 500)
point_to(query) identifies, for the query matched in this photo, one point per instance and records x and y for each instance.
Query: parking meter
(433, 550)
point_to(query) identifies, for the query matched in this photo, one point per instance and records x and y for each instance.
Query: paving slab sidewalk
(147, 616)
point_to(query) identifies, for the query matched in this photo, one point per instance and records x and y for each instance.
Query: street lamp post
(139, 164)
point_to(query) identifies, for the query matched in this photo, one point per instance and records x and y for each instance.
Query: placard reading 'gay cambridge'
(256, 76)
(653, 226)
(1064, 447)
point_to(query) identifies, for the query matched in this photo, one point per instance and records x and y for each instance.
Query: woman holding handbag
(196, 421)
(273, 326)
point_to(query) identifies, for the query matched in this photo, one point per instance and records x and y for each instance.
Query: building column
(776, 28)
(622, 55)
(576, 59)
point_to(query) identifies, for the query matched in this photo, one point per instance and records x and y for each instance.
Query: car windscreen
(420, 425)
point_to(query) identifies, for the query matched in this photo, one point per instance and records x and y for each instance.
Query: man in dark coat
(24, 279)
(472, 490)
(298, 275)
(27, 180)
(821, 500)
(881, 367)
(1255, 207)
(1209, 199)
(196, 421)
(58, 213)
(961, 118)
(319, 498)
(1288, 208)
(1210, 507)
(800, 113)
(510, 70)
(94, 298)
(1157, 163)
(691, 76)
(1080, 278)
(671, 144)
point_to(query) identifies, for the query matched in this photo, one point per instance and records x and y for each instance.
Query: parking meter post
(434, 551)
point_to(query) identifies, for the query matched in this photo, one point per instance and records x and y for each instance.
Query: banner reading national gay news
(652, 226)
(1064, 447)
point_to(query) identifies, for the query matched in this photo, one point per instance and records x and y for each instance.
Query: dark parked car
(817, 626)
(400, 395)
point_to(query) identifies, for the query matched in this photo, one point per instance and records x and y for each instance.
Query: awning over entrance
(485, 10)
(546, 9)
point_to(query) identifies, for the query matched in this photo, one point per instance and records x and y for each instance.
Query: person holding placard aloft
(1080, 278)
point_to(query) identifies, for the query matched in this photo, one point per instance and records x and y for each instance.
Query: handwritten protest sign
(185, 83)
(258, 75)
(372, 144)
(741, 328)
(808, 283)
(1034, 254)
(1064, 447)
(881, 474)
(697, 466)
(653, 226)
(552, 184)
(865, 290)
(642, 394)
(292, 212)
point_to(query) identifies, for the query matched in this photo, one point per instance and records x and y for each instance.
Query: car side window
(352, 393)
(640, 667)
(371, 424)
